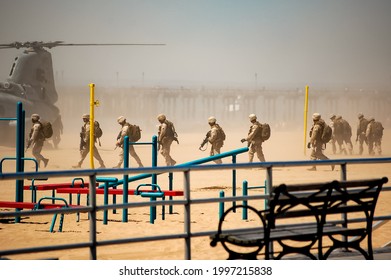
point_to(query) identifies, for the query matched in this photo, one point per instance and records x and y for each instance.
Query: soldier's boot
(45, 161)
(138, 160)
(78, 165)
(313, 168)
(117, 166)
(102, 164)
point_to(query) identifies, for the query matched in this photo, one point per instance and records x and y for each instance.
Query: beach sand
(34, 231)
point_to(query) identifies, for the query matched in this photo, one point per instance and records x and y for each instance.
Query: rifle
(82, 142)
(244, 140)
(205, 141)
(28, 144)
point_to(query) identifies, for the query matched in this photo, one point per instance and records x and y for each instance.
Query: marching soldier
(254, 139)
(215, 137)
(85, 143)
(316, 142)
(36, 139)
(126, 131)
(166, 136)
(374, 136)
(342, 134)
(361, 132)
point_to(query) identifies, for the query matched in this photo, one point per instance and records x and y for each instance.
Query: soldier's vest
(377, 130)
(170, 130)
(220, 133)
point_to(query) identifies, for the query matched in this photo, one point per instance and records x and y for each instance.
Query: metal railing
(187, 202)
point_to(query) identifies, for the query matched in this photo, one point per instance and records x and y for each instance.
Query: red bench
(112, 191)
(40, 205)
(31, 205)
(53, 187)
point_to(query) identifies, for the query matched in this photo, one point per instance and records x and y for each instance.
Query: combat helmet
(252, 117)
(211, 120)
(316, 116)
(35, 117)
(121, 119)
(161, 117)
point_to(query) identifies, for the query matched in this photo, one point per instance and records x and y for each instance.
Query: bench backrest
(299, 201)
(357, 196)
(319, 200)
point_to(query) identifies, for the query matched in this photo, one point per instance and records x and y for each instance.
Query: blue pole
(154, 177)
(19, 153)
(221, 205)
(170, 187)
(234, 182)
(245, 193)
(125, 198)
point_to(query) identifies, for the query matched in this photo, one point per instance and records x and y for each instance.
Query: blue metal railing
(187, 202)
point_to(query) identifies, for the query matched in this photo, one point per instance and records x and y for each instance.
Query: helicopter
(31, 81)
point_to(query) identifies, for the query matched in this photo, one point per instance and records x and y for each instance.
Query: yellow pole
(92, 126)
(305, 118)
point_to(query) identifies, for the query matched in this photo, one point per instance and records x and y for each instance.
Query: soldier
(374, 136)
(37, 138)
(126, 131)
(333, 139)
(85, 143)
(316, 142)
(343, 134)
(254, 139)
(166, 136)
(361, 132)
(216, 137)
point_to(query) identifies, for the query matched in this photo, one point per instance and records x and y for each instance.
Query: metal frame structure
(93, 244)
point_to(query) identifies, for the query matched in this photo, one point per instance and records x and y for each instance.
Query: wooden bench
(302, 218)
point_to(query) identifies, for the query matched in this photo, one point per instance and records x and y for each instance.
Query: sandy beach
(34, 231)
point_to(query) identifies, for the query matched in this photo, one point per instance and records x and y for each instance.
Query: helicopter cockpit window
(13, 66)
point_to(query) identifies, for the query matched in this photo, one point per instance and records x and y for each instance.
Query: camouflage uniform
(254, 139)
(215, 139)
(374, 137)
(361, 132)
(125, 131)
(333, 140)
(85, 138)
(36, 139)
(342, 134)
(166, 136)
(316, 139)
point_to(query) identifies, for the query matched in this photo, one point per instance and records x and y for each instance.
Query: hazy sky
(208, 42)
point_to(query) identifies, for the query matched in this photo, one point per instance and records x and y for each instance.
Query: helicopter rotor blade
(134, 44)
(37, 45)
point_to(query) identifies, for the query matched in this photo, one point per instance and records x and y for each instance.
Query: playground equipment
(126, 179)
(20, 129)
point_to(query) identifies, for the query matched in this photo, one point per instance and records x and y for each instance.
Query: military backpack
(47, 129)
